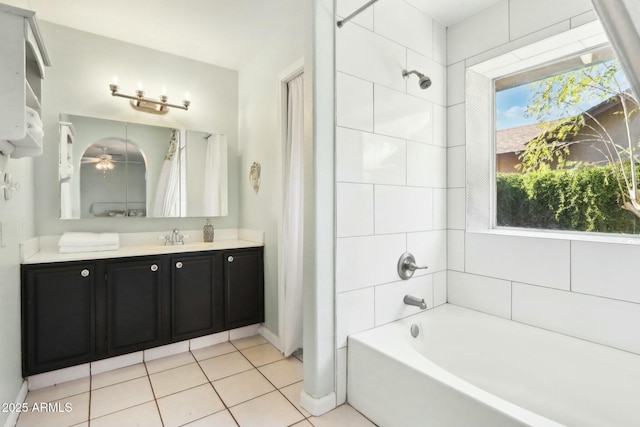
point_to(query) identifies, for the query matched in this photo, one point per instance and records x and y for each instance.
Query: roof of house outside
(515, 140)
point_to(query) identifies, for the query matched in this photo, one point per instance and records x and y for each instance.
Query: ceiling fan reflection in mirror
(103, 161)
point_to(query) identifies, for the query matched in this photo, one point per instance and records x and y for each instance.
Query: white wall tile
(368, 261)
(166, 350)
(402, 209)
(354, 102)
(527, 17)
(369, 158)
(365, 54)
(389, 298)
(341, 375)
(354, 313)
(456, 83)
(430, 249)
(439, 209)
(584, 18)
(456, 125)
(536, 261)
(478, 33)
(426, 165)
(104, 365)
(439, 43)
(492, 296)
(401, 115)
(208, 340)
(243, 332)
(613, 276)
(456, 214)
(345, 8)
(456, 167)
(437, 92)
(354, 216)
(439, 288)
(58, 376)
(455, 250)
(405, 25)
(602, 320)
(439, 126)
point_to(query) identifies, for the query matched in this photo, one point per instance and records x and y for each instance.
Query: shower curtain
(167, 190)
(292, 224)
(621, 21)
(215, 177)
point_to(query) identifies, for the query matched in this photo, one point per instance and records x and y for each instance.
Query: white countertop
(44, 249)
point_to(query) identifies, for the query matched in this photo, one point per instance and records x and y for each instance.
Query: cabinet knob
(154, 267)
(230, 258)
(179, 264)
(84, 273)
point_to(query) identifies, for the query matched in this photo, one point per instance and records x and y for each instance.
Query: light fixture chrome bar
(141, 98)
(356, 13)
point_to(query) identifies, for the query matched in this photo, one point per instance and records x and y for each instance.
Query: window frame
(481, 72)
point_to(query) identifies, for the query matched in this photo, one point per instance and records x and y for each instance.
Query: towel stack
(31, 144)
(88, 242)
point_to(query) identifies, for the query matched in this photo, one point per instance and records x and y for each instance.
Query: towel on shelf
(85, 239)
(78, 249)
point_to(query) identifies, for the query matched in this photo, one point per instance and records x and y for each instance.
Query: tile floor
(246, 383)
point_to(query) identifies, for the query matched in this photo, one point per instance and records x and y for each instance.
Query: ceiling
(227, 33)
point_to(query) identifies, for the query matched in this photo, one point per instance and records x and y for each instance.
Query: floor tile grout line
(216, 392)
(155, 399)
(90, 396)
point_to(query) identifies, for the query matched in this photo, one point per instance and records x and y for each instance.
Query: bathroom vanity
(78, 311)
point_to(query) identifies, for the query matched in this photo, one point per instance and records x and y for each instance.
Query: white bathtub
(469, 369)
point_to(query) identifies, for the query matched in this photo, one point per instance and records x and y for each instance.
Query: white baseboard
(270, 336)
(13, 415)
(315, 406)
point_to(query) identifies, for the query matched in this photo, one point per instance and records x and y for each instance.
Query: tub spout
(411, 300)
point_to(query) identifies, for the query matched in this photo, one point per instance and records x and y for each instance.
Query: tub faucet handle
(407, 266)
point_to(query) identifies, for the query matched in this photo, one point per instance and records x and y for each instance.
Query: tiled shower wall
(587, 289)
(391, 160)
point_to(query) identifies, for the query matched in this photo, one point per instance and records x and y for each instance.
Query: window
(566, 132)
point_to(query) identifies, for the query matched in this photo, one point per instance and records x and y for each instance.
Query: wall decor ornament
(254, 176)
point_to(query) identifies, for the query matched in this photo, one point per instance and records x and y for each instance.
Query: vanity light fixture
(148, 105)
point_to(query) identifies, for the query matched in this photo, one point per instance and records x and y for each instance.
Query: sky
(511, 106)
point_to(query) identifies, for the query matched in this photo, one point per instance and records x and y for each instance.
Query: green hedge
(582, 199)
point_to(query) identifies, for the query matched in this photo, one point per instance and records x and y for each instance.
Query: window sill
(562, 235)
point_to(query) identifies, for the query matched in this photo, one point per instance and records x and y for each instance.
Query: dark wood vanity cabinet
(135, 304)
(58, 316)
(197, 296)
(244, 287)
(77, 312)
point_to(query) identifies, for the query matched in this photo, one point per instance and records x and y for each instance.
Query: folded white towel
(84, 239)
(97, 248)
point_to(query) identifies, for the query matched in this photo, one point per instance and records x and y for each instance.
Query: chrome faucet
(175, 238)
(411, 300)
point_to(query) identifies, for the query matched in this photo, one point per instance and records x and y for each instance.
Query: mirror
(116, 169)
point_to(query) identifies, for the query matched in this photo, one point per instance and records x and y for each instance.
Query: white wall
(260, 140)
(586, 289)
(17, 224)
(83, 65)
(390, 166)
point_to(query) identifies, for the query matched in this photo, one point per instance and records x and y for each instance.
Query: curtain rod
(356, 13)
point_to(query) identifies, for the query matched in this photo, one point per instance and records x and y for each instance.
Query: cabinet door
(244, 287)
(197, 296)
(58, 316)
(134, 305)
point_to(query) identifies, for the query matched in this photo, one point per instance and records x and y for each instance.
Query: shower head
(423, 81)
